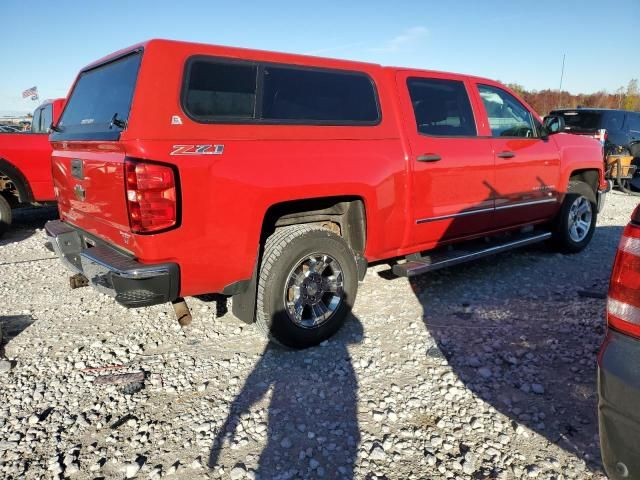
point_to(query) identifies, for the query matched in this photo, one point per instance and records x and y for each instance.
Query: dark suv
(620, 128)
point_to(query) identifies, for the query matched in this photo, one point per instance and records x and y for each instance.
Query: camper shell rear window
(99, 104)
(217, 90)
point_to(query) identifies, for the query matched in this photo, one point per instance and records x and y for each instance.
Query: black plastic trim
(236, 288)
(362, 265)
(243, 305)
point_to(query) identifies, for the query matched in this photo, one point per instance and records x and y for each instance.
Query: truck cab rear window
(219, 91)
(98, 108)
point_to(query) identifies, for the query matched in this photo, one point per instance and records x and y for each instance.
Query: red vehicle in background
(25, 163)
(184, 169)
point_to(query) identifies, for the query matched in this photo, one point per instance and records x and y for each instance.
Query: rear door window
(98, 108)
(441, 107)
(224, 91)
(507, 116)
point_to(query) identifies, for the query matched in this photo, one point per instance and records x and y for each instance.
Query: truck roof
(239, 52)
(212, 49)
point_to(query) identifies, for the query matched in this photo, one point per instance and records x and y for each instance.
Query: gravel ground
(485, 370)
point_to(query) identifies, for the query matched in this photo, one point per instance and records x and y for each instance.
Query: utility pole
(561, 78)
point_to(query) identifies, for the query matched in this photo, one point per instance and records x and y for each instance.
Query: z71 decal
(197, 150)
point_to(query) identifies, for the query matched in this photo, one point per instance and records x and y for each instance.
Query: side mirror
(553, 124)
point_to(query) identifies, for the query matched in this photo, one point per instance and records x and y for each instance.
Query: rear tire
(307, 285)
(5, 215)
(576, 221)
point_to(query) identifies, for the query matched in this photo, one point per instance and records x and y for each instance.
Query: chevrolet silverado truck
(184, 169)
(25, 163)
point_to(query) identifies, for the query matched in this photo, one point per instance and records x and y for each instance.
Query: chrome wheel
(314, 290)
(580, 218)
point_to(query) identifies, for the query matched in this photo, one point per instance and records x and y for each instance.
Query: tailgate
(88, 159)
(91, 190)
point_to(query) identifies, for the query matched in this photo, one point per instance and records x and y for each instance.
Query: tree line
(543, 101)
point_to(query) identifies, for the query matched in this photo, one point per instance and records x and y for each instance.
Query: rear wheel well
(344, 216)
(590, 177)
(13, 184)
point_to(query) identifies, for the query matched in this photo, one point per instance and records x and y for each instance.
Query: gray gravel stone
(414, 386)
(131, 470)
(237, 473)
(537, 388)
(5, 366)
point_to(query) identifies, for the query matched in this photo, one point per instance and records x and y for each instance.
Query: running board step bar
(447, 258)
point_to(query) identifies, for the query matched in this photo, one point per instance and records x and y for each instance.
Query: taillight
(152, 196)
(623, 303)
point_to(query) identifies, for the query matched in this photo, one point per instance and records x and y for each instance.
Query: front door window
(507, 116)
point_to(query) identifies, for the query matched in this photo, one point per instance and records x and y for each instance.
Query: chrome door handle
(429, 158)
(506, 154)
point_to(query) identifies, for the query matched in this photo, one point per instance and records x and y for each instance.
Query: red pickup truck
(184, 169)
(25, 163)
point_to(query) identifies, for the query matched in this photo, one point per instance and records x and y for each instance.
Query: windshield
(98, 108)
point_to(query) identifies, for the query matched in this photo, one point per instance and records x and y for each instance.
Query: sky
(514, 41)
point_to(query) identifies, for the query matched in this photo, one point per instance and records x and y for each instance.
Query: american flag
(31, 92)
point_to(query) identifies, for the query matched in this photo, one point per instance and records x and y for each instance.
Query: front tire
(576, 221)
(307, 285)
(5, 215)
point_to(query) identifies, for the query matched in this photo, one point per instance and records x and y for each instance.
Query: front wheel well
(589, 176)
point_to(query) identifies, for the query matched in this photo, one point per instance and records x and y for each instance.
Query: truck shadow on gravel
(11, 326)
(521, 331)
(26, 221)
(312, 423)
